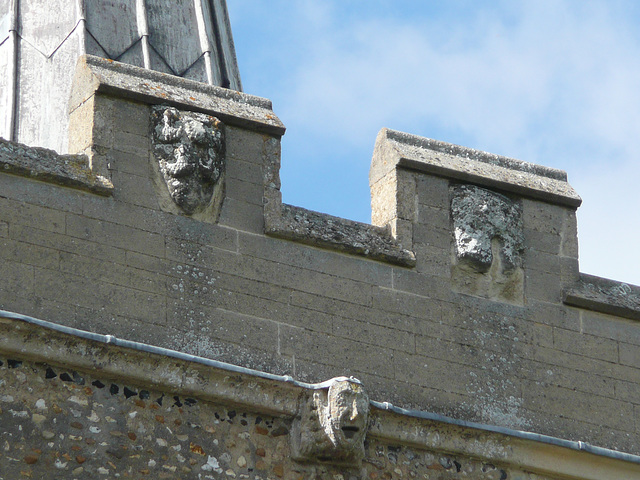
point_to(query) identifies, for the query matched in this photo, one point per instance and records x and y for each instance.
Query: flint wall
(149, 413)
(529, 344)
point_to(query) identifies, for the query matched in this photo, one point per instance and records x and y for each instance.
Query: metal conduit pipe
(203, 36)
(81, 10)
(13, 70)
(143, 31)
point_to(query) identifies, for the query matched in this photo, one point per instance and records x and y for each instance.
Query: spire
(40, 43)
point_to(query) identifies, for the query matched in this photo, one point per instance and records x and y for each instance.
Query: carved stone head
(347, 412)
(333, 424)
(189, 148)
(488, 244)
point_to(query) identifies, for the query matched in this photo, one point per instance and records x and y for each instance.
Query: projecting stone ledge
(95, 74)
(396, 149)
(326, 231)
(605, 296)
(48, 166)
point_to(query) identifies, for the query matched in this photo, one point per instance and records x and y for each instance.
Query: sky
(553, 82)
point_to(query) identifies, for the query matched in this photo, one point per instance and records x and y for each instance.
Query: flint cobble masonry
(63, 423)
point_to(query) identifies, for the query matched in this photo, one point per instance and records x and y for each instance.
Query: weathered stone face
(333, 424)
(345, 419)
(488, 244)
(189, 148)
(479, 217)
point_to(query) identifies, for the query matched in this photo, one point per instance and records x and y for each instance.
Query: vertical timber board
(134, 56)
(157, 62)
(43, 93)
(94, 48)
(198, 72)
(46, 25)
(227, 56)
(47, 52)
(5, 19)
(113, 24)
(172, 26)
(6, 60)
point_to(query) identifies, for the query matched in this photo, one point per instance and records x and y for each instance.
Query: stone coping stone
(327, 231)
(397, 149)
(96, 74)
(49, 166)
(604, 296)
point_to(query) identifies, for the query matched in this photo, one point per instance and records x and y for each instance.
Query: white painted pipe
(143, 31)
(13, 70)
(81, 10)
(204, 35)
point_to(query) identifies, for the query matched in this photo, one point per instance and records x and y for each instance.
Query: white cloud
(548, 81)
(608, 224)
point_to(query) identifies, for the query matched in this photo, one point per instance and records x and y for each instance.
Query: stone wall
(76, 405)
(431, 307)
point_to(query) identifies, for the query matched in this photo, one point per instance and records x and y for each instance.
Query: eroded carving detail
(488, 243)
(189, 147)
(479, 216)
(333, 424)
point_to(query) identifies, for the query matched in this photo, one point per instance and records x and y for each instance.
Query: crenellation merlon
(397, 149)
(476, 155)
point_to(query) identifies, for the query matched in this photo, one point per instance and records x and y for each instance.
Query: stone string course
(62, 422)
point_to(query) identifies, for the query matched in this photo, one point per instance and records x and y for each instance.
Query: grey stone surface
(189, 148)
(179, 37)
(479, 216)
(604, 295)
(124, 265)
(326, 231)
(48, 166)
(396, 149)
(94, 74)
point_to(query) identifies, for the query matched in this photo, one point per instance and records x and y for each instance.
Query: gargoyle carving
(333, 424)
(189, 148)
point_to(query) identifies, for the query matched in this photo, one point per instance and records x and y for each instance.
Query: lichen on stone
(480, 216)
(333, 424)
(189, 148)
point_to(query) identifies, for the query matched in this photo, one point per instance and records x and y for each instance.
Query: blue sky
(555, 82)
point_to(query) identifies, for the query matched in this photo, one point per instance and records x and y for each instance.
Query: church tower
(40, 43)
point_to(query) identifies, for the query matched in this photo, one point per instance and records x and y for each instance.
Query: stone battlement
(165, 226)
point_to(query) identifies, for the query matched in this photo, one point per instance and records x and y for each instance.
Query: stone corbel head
(488, 244)
(189, 148)
(333, 424)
